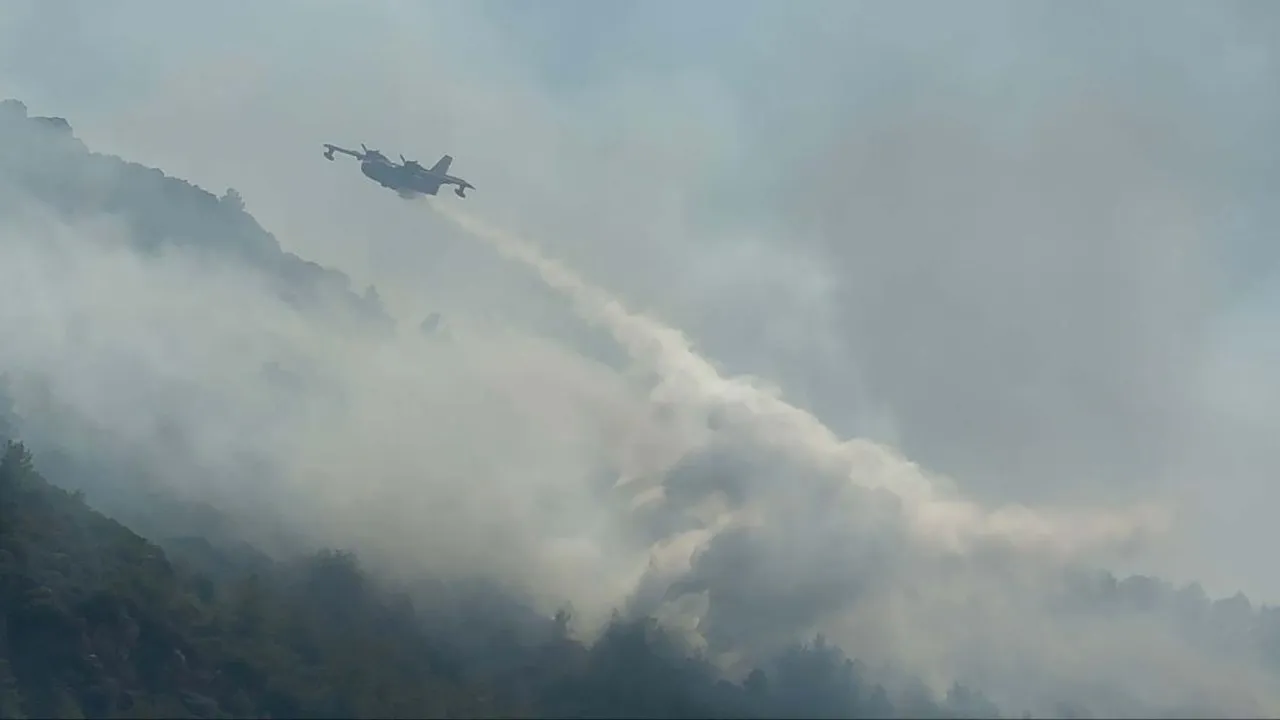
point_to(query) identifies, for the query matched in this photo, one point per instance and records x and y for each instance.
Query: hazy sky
(1031, 244)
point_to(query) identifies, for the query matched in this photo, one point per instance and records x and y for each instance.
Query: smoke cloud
(704, 500)
(991, 290)
(858, 534)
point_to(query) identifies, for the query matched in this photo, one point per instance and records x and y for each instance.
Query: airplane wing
(442, 166)
(329, 150)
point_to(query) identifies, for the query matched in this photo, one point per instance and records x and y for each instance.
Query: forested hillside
(99, 622)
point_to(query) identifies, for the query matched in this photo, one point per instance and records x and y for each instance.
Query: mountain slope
(97, 621)
(41, 160)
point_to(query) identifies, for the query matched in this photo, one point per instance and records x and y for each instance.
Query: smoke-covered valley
(559, 436)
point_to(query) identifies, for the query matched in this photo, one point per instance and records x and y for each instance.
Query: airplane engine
(460, 192)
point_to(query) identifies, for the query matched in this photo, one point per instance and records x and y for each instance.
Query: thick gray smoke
(672, 490)
(741, 407)
(786, 530)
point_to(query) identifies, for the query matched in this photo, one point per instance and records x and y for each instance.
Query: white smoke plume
(789, 530)
(742, 406)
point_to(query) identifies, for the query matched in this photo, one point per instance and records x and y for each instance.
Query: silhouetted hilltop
(42, 159)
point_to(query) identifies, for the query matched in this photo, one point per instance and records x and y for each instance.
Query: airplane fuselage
(394, 177)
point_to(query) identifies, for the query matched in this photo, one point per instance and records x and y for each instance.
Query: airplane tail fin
(442, 165)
